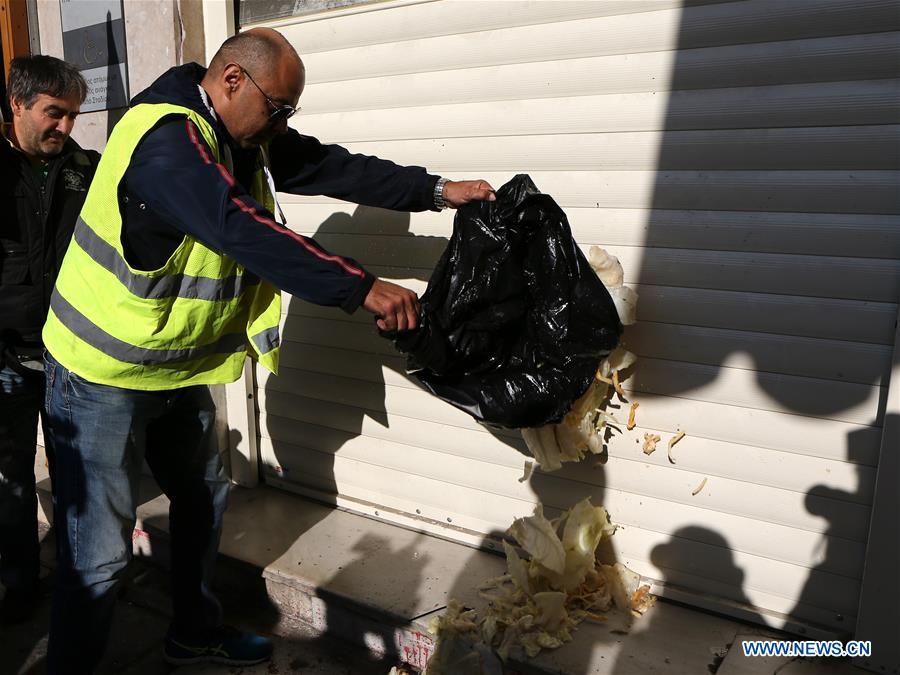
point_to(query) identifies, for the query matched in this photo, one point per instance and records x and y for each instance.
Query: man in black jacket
(44, 177)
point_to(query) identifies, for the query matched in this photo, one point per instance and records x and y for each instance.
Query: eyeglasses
(279, 112)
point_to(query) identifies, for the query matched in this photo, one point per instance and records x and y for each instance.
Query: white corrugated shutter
(740, 158)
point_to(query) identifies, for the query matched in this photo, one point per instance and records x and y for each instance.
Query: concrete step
(377, 585)
(141, 618)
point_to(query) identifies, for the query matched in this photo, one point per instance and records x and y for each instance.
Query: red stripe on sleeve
(250, 211)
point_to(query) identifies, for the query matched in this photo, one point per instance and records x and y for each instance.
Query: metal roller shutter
(741, 159)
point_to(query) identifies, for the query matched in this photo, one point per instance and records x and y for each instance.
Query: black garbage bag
(514, 321)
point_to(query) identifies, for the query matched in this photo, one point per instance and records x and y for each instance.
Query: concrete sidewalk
(142, 616)
(311, 575)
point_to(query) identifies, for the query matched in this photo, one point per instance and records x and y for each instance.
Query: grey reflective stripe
(267, 340)
(164, 286)
(112, 346)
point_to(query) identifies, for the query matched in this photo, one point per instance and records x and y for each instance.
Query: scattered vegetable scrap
(641, 601)
(610, 271)
(617, 386)
(541, 599)
(529, 469)
(582, 429)
(650, 441)
(631, 422)
(672, 442)
(699, 488)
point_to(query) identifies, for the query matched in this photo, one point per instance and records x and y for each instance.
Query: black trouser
(21, 401)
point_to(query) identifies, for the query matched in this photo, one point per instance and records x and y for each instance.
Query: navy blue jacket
(173, 188)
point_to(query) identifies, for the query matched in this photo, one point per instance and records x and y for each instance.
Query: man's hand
(457, 193)
(395, 308)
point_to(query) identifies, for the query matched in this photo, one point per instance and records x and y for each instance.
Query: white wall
(741, 160)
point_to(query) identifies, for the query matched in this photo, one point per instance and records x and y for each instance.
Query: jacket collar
(180, 85)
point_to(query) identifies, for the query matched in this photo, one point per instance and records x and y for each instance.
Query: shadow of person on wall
(331, 381)
(658, 639)
(329, 390)
(380, 240)
(335, 369)
(843, 547)
(748, 223)
(742, 305)
(116, 103)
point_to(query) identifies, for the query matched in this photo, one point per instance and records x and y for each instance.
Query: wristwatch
(439, 202)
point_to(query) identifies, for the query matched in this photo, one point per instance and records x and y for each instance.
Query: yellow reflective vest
(189, 322)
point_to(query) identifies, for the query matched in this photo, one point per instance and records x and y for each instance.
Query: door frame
(879, 599)
(14, 34)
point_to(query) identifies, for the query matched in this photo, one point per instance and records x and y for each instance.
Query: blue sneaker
(224, 645)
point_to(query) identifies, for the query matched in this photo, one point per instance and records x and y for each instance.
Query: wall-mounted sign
(94, 41)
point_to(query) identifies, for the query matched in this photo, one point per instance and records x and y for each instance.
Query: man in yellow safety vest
(171, 280)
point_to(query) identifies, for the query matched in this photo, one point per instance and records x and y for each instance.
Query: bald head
(259, 50)
(251, 77)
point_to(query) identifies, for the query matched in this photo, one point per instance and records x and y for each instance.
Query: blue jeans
(20, 404)
(101, 436)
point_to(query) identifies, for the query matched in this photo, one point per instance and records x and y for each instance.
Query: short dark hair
(31, 76)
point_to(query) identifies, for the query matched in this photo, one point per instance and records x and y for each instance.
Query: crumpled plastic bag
(514, 320)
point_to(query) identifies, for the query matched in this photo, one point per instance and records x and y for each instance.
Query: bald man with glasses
(279, 110)
(172, 279)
